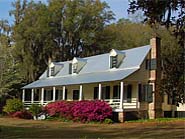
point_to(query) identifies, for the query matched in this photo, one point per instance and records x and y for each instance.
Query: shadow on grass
(85, 132)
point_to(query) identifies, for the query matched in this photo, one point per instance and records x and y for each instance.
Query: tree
(160, 12)
(58, 30)
(9, 78)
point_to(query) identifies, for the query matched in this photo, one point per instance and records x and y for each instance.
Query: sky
(119, 7)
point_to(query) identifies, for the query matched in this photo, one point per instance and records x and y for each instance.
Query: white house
(127, 80)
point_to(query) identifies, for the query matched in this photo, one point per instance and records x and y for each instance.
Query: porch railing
(29, 103)
(114, 103)
(127, 104)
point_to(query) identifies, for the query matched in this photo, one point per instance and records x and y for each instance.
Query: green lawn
(30, 129)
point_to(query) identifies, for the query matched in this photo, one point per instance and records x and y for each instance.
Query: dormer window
(114, 61)
(53, 69)
(76, 65)
(116, 58)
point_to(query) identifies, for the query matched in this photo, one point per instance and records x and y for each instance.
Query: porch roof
(94, 77)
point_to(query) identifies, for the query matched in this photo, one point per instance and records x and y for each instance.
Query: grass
(29, 129)
(157, 120)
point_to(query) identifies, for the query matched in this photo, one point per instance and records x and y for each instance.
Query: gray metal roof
(95, 70)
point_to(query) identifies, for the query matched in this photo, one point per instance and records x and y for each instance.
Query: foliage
(22, 114)
(84, 111)
(59, 108)
(58, 30)
(13, 105)
(35, 109)
(108, 121)
(160, 13)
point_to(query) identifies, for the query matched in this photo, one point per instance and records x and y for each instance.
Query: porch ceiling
(111, 75)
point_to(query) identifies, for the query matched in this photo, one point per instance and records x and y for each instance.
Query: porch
(119, 95)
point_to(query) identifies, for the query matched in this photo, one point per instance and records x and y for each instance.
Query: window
(75, 94)
(127, 94)
(51, 71)
(147, 93)
(116, 92)
(105, 94)
(74, 68)
(113, 61)
(171, 99)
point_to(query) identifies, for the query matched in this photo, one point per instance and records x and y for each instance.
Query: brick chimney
(155, 108)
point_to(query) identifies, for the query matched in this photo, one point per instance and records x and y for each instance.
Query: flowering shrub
(59, 109)
(84, 111)
(22, 115)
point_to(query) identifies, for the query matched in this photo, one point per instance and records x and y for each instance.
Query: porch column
(80, 97)
(23, 95)
(54, 93)
(63, 93)
(99, 91)
(121, 95)
(42, 96)
(32, 96)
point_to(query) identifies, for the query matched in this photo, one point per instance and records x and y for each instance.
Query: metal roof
(95, 70)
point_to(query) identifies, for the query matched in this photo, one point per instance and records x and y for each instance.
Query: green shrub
(108, 121)
(35, 109)
(13, 105)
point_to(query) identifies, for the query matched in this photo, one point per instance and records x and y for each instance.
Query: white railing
(115, 103)
(29, 103)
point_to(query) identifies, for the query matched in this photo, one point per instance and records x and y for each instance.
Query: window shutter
(145, 93)
(70, 68)
(95, 92)
(65, 94)
(153, 64)
(140, 92)
(57, 95)
(47, 72)
(149, 92)
(107, 93)
(129, 93)
(147, 64)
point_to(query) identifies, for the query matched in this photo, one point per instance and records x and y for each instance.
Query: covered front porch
(120, 95)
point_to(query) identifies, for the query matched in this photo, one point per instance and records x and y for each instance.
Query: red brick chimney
(155, 108)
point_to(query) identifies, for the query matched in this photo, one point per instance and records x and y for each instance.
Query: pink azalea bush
(59, 109)
(84, 111)
(22, 114)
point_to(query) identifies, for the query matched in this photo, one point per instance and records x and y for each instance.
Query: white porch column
(63, 93)
(99, 91)
(42, 96)
(54, 93)
(80, 97)
(32, 96)
(121, 95)
(23, 95)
